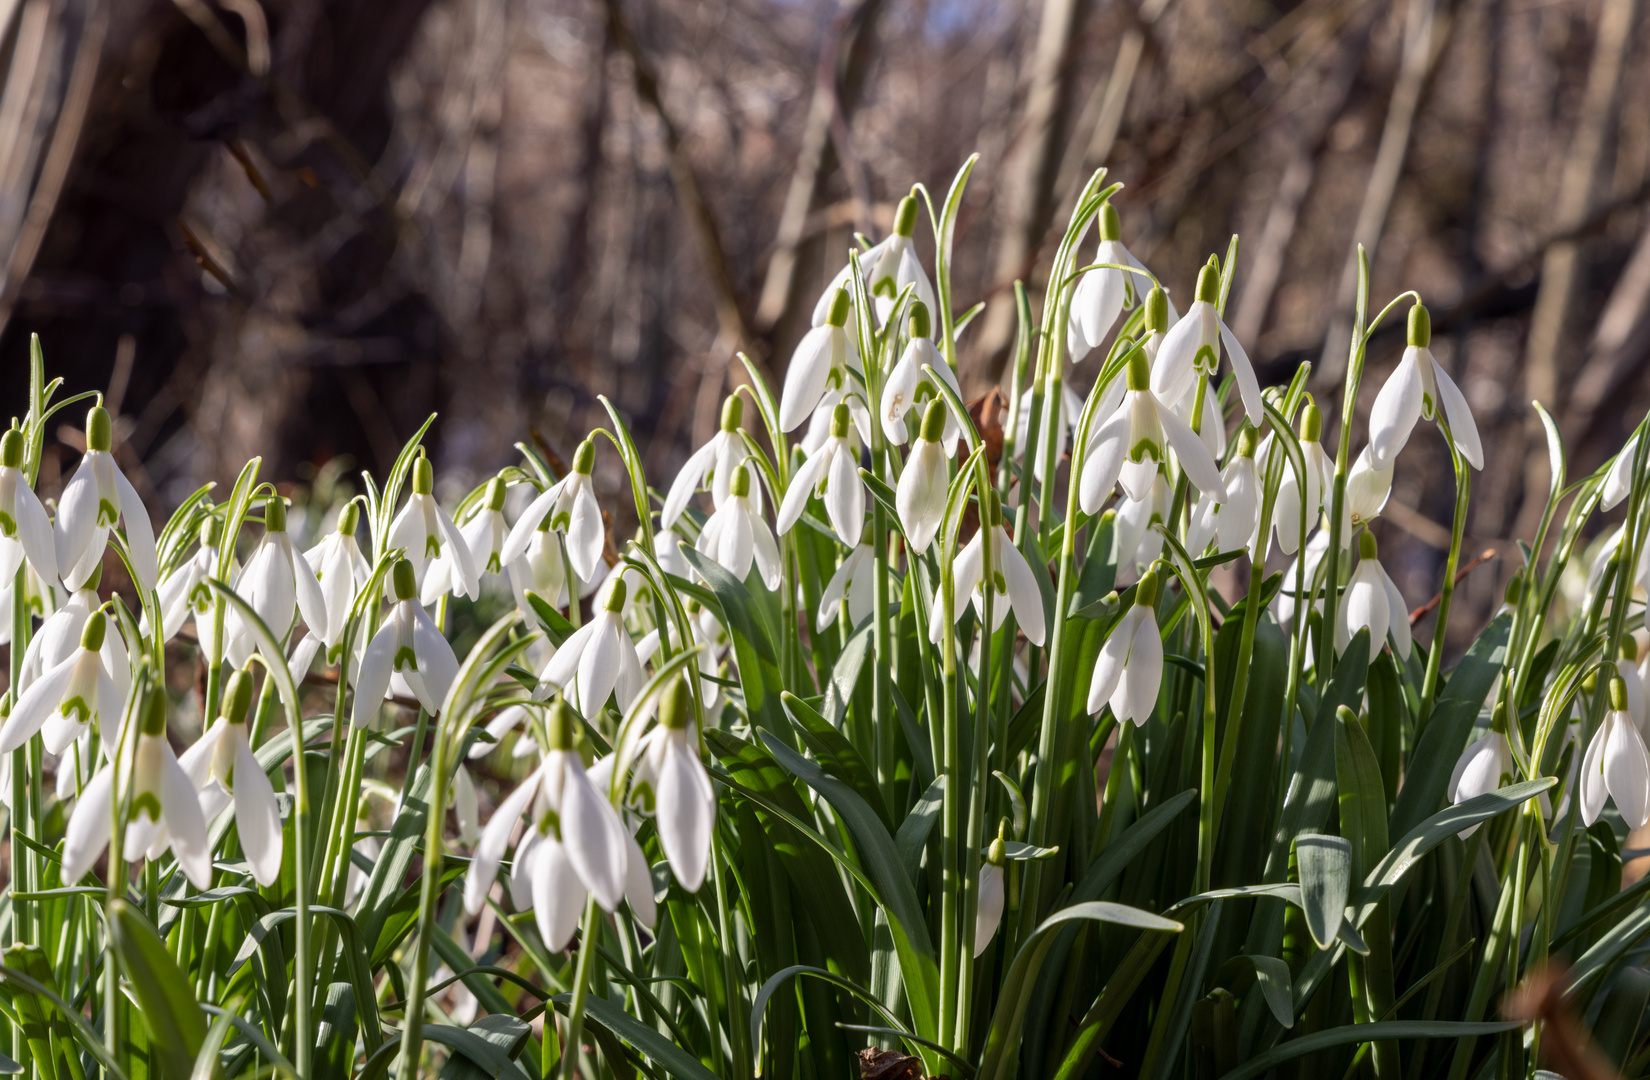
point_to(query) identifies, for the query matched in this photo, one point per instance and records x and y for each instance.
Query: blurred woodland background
(297, 227)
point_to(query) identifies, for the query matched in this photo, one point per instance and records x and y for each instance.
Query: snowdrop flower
(1316, 548)
(924, 484)
(1234, 522)
(1102, 294)
(715, 461)
(853, 582)
(1632, 678)
(1617, 765)
(1136, 438)
(165, 810)
(424, 531)
(1618, 482)
(1372, 601)
(1192, 347)
(71, 695)
(341, 570)
(1138, 544)
(576, 844)
(97, 497)
(409, 644)
(708, 658)
(184, 594)
(735, 534)
(571, 504)
(908, 384)
(25, 531)
(277, 584)
(543, 570)
(820, 357)
(1416, 390)
(1009, 577)
(988, 911)
(1129, 670)
(670, 781)
(1368, 487)
(483, 537)
(1481, 768)
(1292, 505)
(224, 771)
(897, 265)
(832, 473)
(59, 635)
(601, 658)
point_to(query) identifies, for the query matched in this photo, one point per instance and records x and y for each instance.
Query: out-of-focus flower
(25, 531)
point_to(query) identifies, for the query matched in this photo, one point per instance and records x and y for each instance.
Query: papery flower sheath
(409, 644)
(1420, 388)
(735, 535)
(833, 474)
(1008, 577)
(276, 583)
(715, 462)
(908, 386)
(224, 771)
(923, 486)
(1135, 439)
(1616, 766)
(25, 531)
(1192, 347)
(1129, 669)
(95, 500)
(424, 531)
(571, 505)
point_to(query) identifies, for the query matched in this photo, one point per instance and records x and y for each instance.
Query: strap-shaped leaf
(176, 1024)
(1325, 866)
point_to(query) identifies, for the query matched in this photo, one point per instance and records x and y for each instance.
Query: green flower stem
(24, 868)
(412, 1022)
(882, 719)
(978, 791)
(571, 1048)
(738, 1019)
(951, 800)
(1435, 656)
(1503, 936)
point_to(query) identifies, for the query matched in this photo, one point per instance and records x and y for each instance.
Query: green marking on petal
(77, 709)
(8, 527)
(884, 287)
(1145, 450)
(1206, 361)
(106, 513)
(405, 660)
(432, 546)
(146, 804)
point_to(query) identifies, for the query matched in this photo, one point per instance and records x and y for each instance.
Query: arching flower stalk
(1129, 670)
(571, 506)
(409, 644)
(424, 531)
(1420, 389)
(25, 531)
(97, 498)
(715, 462)
(225, 772)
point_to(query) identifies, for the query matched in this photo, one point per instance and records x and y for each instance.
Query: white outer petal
(1396, 410)
(687, 814)
(989, 912)
(593, 837)
(1023, 593)
(372, 681)
(1459, 414)
(185, 827)
(88, 831)
(257, 819)
(140, 533)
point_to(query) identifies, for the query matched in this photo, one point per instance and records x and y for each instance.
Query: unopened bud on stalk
(933, 421)
(11, 449)
(1420, 327)
(1111, 225)
(1157, 311)
(920, 324)
(406, 581)
(423, 476)
(840, 420)
(100, 429)
(237, 698)
(275, 514)
(733, 411)
(905, 217)
(1514, 587)
(1367, 548)
(675, 706)
(348, 518)
(997, 853)
(839, 308)
(1311, 423)
(584, 458)
(495, 493)
(211, 532)
(97, 626)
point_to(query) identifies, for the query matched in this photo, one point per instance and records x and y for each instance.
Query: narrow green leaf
(1325, 864)
(1260, 1064)
(176, 1024)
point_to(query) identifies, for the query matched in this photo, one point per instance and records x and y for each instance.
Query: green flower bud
(1515, 586)
(740, 485)
(100, 429)
(11, 449)
(1311, 428)
(1139, 370)
(839, 421)
(997, 853)
(905, 217)
(423, 475)
(1157, 311)
(406, 581)
(839, 308)
(1366, 545)
(91, 636)
(920, 324)
(1420, 327)
(1111, 226)
(154, 713)
(1208, 285)
(584, 458)
(348, 518)
(275, 514)
(237, 698)
(933, 421)
(733, 411)
(675, 706)
(616, 596)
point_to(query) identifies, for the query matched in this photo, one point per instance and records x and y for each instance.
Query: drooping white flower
(1481, 768)
(97, 498)
(1317, 546)
(1419, 386)
(25, 531)
(1192, 347)
(59, 636)
(76, 692)
(853, 582)
(820, 356)
(1135, 439)
(424, 531)
(1295, 503)
(571, 505)
(1129, 669)
(1008, 577)
(1103, 293)
(409, 644)
(1372, 601)
(1618, 482)
(1212, 428)
(184, 594)
(705, 635)
(341, 570)
(1368, 487)
(543, 569)
(671, 783)
(1233, 522)
(576, 844)
(484, 534)
(716, 462)
(598, 659)
(1616, 766)
(1138, 543)
(988, 910)
(908, 385)
(923, 486)
(833, 474)
(277, 584)
(224, 771)
(165, 812)
(735, 535)
(897, 265)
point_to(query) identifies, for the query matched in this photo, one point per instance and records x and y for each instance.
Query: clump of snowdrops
(809, 764)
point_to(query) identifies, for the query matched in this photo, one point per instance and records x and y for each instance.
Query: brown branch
(1421, 612)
